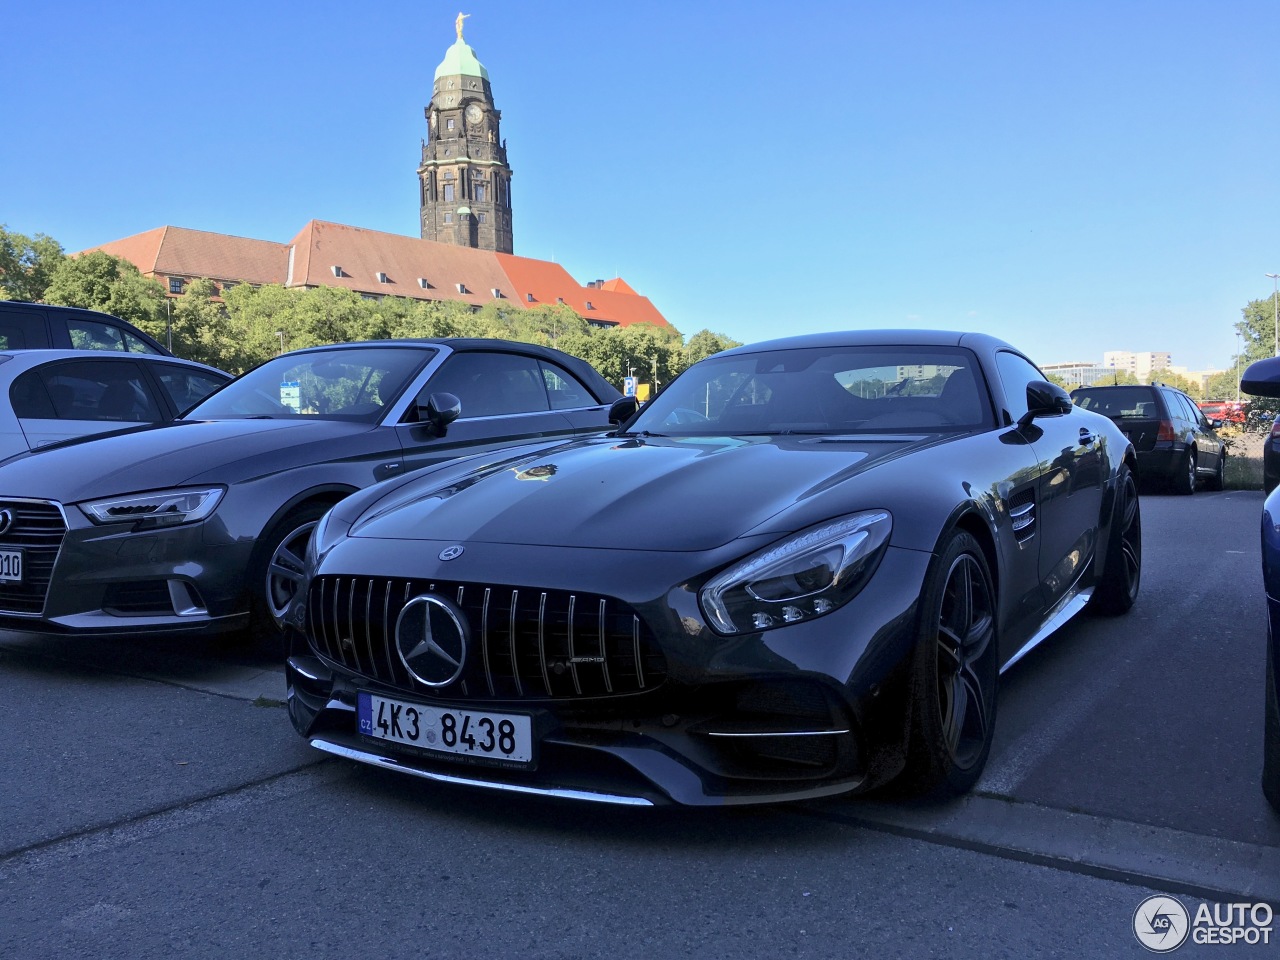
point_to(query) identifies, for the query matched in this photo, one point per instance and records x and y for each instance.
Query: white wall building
(1141, 365)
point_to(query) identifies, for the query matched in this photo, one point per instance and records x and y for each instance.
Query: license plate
(10, 566)
(506, 737)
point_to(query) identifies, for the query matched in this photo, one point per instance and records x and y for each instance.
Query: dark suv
(1174, 440)
(27, 326)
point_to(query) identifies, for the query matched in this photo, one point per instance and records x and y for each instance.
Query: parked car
(1176, 443)
(797, 571)
(200, 525)
(59, 394)
(1224, 411)
(26, 326)
(1262, 379)
(1271, 457)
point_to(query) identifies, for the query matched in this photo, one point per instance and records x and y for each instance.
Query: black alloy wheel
(955, 674)
(1184, 481)
(1117, 590)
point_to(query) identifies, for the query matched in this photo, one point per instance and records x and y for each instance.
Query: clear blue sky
(1074, 177)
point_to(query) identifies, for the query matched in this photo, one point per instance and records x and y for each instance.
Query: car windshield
(1119, 403)
(342, 383)
(823, 391)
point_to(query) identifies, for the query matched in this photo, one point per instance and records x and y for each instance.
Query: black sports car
(201, 524)
(797, 571)
(1262, 379)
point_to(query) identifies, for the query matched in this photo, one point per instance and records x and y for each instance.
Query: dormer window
(424, 283)
(337, 270)
(462, 288)
(382, 277)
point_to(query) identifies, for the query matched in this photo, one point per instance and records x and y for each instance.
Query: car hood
(166, 455)
(649, 493)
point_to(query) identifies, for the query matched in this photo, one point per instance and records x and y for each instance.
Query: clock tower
(464, 182)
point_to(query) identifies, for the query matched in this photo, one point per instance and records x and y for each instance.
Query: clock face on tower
(474, 113)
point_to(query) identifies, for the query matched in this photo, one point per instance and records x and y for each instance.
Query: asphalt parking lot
(156, 802)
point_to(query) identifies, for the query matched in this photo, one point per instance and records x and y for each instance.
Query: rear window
(1136, 403)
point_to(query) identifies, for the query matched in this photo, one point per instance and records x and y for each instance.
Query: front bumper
(83, 578)
(807, 710)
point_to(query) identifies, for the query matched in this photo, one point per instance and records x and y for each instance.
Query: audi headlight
(805, 576)
(165, 508)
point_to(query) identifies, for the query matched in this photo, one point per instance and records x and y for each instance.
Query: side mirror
(1262, 378)
(1215, 424)
(1045, 399)
(623, 409)
(440, 410)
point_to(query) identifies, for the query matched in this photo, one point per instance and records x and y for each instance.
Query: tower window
(478, 188)
(448, 192)
(482, 218)
(448, 124)
(448, 218)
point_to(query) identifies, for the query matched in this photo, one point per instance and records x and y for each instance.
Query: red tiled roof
(618, 285)
(179, 252)
(308, 261)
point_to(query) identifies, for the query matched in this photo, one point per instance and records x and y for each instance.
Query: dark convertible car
(797, 571)
(1262, 379)
(201, 524)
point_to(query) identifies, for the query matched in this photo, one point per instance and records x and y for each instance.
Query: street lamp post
(1275, 307)
(1237, 367)
(280, 334)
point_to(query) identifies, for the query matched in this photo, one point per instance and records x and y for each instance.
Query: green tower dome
(461, 60)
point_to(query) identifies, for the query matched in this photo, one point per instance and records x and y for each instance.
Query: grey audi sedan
(201, 525)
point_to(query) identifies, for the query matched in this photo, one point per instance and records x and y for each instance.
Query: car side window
(564, 390)
(96, 390)
(135, 345)
(491, 384)
(186, 387)
(11, 337)
(1015, 373)
(92, 335)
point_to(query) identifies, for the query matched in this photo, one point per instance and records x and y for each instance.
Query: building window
(448, 174)
(176, 284)
(448, 192)
(448, 218)
(482, 218)
(448, 124)
(478, 189)
(228, 285)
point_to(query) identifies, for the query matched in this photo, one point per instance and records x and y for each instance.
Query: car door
(75, 398)
(505, 402)
(569, 396)
(1072, 468)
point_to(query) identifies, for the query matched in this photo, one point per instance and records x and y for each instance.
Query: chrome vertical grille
(37, 530)
(525, 644)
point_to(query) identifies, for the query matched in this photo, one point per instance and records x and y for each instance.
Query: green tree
(27, 264)
(1257, 329)
(704, 344)
(201, 327)
(1222, 386)
(99, 281)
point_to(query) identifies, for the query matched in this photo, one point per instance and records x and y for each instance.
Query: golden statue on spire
(458, 24)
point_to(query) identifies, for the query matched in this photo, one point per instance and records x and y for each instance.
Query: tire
(1219, 479)
(1271, 733)
(1184, 481)
(955, 674)
(1117, 590)
(277, 573)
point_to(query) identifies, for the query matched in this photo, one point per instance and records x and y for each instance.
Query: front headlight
(805, 576)
(165, 508)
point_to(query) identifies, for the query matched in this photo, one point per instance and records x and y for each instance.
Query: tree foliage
(99, 281)
(26, 264)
